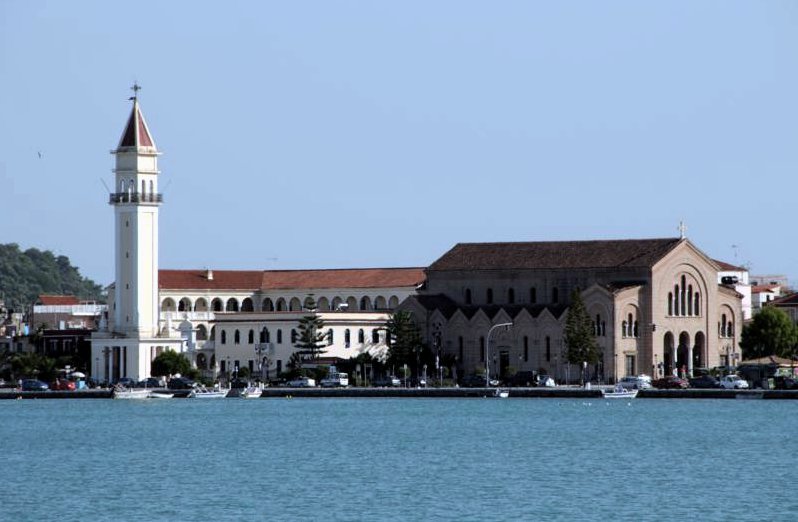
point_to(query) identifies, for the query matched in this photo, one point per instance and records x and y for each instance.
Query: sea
(398, 459)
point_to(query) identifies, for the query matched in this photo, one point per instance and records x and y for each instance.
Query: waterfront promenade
(559, 392)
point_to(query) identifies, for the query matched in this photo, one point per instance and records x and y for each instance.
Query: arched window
(468, 296)
(635, 330)
(329, 337)
(295, 305)
(489, 296)
(246, 305)
(202, 332)
(323, 304)
(281, 305)
(279, 336)
(481, 349)
(629, 323)
(533, 295)
(237, 337)
(689, 299)
(670, 303)
(365, 304)
(251, 337)
(232, 305)
(201, 305)
(224, 337)
(548, 349)
(293, 336)
(217, 305)
(597, 325)
(511, 296)
(152, 192)
(263, 334)
(143, 187)
(213, 333)
(697, 305)
(460, 349)
(676, 300)
(268, 305)
(526, 349)
(375, 336)
(347, 338)
(121, 185)
(624, 329)
(361, 336)
(682, 296)
(555, 295)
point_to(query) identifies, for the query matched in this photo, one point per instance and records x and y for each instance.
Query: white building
(736, 277)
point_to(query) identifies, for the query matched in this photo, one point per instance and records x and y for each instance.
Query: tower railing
(135, 197)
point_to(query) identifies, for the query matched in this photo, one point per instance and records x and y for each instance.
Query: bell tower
(131, 340)
(136, 200)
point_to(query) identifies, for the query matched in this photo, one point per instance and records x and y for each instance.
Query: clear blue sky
(351, 134)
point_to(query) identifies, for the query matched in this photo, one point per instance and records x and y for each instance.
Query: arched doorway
(202, 362)
(683, 353)
(699, 351)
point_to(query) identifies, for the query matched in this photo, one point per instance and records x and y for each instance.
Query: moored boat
(121, 392)
(252, 392)
(205, 393)
(619, 392)
(161, 395)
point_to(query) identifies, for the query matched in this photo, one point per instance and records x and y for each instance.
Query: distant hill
(26, 275)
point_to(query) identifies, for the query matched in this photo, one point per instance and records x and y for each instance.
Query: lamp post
(487, 351)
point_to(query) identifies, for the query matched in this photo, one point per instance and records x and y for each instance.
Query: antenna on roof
(682, 230)
(106, 186)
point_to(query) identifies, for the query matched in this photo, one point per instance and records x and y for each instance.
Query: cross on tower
(682, 229)
(136, 88)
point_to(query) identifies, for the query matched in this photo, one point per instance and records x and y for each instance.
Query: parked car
(34, 385)
(63, 385)
(704, 381)
(546, 381)
(733, 382)
(150, 382)
(302, 382)
(782, 382)
(635, 382)
(180, 383)
(127, 382)
(385, 382)
(239, 384)
(523, 378)
(670, 382)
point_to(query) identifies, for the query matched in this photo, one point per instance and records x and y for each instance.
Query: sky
(329, 134)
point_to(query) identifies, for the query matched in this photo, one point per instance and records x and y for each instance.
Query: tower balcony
(135, 197)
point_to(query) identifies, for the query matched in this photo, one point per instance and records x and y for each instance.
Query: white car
(302, 382)
(733, 382)
(631, 382)
(546, 382)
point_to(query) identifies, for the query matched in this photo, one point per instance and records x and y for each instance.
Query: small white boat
(129, 393)
(502, 394)
(252, 392)
(619, 392)
(205, 393)
(161, 395)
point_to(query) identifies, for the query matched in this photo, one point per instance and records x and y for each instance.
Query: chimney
(209, 274)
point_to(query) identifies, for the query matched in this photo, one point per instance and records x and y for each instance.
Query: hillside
(26, 275)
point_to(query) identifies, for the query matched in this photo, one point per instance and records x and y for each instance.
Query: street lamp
(487, 351)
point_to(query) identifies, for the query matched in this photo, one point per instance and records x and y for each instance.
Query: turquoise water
(398, 459)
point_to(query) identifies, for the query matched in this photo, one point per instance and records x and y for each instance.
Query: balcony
(135, 197)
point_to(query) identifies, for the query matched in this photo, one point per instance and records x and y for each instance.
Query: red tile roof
(55, 300)
(222, 279)
(555, 254)
(758, 289)
(287, 279)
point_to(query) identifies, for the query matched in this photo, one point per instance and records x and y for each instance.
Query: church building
(656, 305)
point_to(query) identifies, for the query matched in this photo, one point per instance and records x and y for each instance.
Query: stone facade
(656, 305)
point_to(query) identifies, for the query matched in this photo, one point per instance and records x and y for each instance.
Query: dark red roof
(555, 254)
(222, 279)
(55, 300)
(136, 128)
(758, 289)
(287, 279)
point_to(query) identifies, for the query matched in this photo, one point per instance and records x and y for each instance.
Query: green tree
(404, 338)
(312, 340)
(170, 363)
(770, 332)
(580, 340)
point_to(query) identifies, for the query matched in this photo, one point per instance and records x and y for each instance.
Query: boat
(619, 392)
(205, 393)
(161, 395)
(120, 392)
(502, 394)
(252, 392)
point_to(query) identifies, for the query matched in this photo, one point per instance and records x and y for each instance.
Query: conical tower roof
(137, 134)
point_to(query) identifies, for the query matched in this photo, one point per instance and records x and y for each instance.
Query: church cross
(682, 229)
(136, 88)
